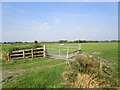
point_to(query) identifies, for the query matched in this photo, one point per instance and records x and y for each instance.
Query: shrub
(35, 41)
(85, 72)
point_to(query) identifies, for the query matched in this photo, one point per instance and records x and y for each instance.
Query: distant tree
(18, 42)
(80, 41)
(4, 42)
(35, 41)
(114, 41)
(25, 42)
(63, 41)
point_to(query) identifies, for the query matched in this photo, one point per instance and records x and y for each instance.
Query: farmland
(46, 72)
(108, 51)
(36, 73)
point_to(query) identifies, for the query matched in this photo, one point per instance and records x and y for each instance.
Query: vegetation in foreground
(89, 72)
(28, 73)
(36, 73)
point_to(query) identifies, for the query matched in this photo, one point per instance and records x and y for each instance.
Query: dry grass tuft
(86, 72)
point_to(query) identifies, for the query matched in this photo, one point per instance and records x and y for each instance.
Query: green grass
(40, 79)
(28, 63)
(44, 72)
(38, 73)
(108, 51)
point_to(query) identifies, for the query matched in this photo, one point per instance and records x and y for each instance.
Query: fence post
(52, 51)
(8, 56)
(23, 53)
(79, 48)
(32, 52)
(59, 51)
(101, 65)
(67, 52)
(44, 48)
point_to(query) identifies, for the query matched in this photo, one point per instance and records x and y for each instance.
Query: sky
(53, 21)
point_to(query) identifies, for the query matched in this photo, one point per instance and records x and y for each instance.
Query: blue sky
(53, 21)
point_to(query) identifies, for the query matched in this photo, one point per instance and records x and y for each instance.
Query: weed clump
(86, 72)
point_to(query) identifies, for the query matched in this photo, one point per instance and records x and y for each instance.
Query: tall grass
(85, 72)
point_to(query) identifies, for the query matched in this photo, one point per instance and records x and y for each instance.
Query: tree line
(64, 41)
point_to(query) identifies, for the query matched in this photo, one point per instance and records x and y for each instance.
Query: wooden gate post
(23, 53)
(100, 62)
(79, 48)
(44, 48)
(8, 56)
(67, 52)
(32, 53)
(59, 51)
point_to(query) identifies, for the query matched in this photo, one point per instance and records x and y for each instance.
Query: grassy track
(36, 73)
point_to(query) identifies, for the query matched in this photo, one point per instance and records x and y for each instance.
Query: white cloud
(78, 28)
(57, 21)
(74, 14)
(8, 32)
(70, 14)
(44, 26)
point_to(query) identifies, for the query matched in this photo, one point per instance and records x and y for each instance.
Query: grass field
(108, 51)
(44, 72)
(36, 73)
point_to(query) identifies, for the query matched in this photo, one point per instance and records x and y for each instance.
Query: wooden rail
(28, 53)
(74, 52)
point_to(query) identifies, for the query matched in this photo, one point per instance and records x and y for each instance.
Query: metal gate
(63, 52)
